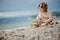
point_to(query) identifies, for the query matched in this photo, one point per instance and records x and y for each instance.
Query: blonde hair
(43, 5)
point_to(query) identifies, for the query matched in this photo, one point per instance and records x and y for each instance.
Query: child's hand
(43, 24)
(39, 20)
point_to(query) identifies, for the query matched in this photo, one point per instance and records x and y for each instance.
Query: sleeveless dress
(42, 17)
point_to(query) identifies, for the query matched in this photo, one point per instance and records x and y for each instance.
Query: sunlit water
(16, 22)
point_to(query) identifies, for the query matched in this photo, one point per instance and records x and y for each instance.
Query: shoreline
(23, 27)
(14, 29)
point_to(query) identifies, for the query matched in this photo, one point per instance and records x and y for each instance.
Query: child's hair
(43, 5)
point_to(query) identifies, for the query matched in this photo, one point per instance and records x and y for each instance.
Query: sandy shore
(47, 32)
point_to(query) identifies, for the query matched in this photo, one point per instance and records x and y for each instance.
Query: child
(44, 17)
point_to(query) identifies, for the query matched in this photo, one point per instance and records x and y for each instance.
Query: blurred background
(21, 13)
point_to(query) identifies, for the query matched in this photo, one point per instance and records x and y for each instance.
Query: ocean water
(18, 21)
(14, 22)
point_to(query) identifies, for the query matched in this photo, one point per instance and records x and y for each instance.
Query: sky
(23, 5)
(26, 6)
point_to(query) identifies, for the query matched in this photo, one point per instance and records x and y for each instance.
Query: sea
(14, 22)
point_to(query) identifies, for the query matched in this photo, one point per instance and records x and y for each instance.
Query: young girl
(44, 17)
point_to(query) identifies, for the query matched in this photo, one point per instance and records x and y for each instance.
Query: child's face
(41, 9)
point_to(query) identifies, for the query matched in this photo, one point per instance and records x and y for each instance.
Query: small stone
(23, 35)
(51, 26)
(5, 34)
(59, 35)
(10, 34)
(58, 38)
(57, 23)
(1, 38)
(51, 31)
(15, 35)
(46, 32)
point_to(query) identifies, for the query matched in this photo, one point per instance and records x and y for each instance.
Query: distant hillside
(56, 13)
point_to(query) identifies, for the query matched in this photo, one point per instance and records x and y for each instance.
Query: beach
(47, 32)
(18, 20)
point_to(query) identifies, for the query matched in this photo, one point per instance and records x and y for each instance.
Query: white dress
(43, 17)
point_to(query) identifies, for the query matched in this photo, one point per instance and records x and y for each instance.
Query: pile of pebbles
(46, 32)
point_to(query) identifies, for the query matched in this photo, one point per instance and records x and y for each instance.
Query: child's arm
(50, 18)
(38, 17)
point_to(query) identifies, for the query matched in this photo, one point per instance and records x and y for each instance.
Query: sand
(46, 32)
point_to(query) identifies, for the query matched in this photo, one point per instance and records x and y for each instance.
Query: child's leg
(35, 24)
